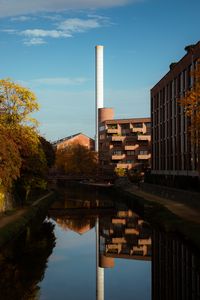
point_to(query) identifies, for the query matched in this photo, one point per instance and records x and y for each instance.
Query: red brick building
(173, 152)
(123, 143)
(78, 138)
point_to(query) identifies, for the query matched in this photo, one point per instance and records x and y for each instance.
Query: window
(143, 152)
(130, 152)
(125, 126)
(117, 152)
(137, 125)
(112, 126)
(101, 128)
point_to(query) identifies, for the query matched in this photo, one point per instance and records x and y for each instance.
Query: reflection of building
(123, 143)
(173, 154)
(78, 138)
(175, 273)
(78, 225)
(126, 236)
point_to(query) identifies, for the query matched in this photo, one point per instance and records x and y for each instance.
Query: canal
(92, 245)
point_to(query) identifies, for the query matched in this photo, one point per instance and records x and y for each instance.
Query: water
(135, 260)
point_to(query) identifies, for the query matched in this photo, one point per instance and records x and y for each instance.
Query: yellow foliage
(76, 159)
(191, 104)
(16, 103)
(2, 199)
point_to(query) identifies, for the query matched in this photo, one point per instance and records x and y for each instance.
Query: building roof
(131, 120)
(174, 66)
(69, 138)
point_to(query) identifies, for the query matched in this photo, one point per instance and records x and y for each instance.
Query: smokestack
(99, 95)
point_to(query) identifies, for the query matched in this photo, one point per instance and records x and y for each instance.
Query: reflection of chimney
(106, 262)
(99, 95)
(99, 270)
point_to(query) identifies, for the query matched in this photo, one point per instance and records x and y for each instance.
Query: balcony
(118, 156)
(124, 166)
(144, 137)
(144, 156)
(142, 129)
(118, 138)
(112, 130)
(131, 147)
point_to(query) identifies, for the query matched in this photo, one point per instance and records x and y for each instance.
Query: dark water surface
(92, 246)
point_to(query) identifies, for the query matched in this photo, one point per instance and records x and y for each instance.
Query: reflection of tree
(79, 225)
(23, 265)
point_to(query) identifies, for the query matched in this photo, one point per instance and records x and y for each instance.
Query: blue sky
(49, 46)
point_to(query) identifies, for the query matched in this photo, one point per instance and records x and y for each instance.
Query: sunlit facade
(123, 143)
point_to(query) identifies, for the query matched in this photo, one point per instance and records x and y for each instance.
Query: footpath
(176, 206)
(180, 209)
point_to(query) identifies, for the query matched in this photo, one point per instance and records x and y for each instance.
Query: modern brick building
(78, 138)
(174, 155)
(123, 143)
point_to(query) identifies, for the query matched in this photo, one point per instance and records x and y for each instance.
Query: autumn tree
(34, 168)
(10, 160)
(191, 104)
(16, 104)
(48, 150)
(76, 159)
(23, 154)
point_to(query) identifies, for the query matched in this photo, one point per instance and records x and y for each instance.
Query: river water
(94, 246)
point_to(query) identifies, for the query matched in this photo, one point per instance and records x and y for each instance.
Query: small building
(174, 155)
(78, 138)
(123, 143)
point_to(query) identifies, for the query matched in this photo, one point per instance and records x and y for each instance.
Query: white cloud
(21, 19)
(79, 25)
(63, 29)
(10, 31)
(44, 33)
(60, 81)
(34, 41)
(22, 7)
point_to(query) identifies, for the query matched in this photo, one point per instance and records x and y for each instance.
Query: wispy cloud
(23, 7)
(34, 41)
(79, 25)
(60, 81)
(10, 31)
(54, 81)
(62, 29)
(44, 33)
(22, 19)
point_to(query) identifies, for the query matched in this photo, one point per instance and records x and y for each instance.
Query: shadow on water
(22, 264)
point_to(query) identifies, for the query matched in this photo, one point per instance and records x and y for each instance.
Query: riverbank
(171, 215)
(15, 222)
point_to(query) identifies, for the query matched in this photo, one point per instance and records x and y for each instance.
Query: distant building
(78, 138)
(173, 153)
(123, 143)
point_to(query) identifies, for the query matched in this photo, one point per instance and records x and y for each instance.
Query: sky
(48, 46)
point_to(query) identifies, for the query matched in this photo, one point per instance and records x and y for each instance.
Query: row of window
(129, 152)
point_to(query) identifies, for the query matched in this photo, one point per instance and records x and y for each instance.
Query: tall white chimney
(99, 93)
